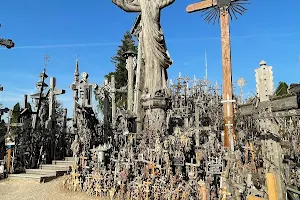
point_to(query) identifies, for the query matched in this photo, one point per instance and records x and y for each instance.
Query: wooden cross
(41, 85)
(226, 55)
(247, 148)
(252, 150)
(147, 183)
(152, 165)
(51, 96)
(82, 158)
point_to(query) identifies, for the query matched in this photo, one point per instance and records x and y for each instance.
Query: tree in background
(16, 113)
(282, 89)
(120, 73)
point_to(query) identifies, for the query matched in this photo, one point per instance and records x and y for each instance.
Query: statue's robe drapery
(155, 54)
(154, 50)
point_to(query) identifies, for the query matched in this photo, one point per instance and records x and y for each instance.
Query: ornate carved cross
(241, 82)
(221, 10)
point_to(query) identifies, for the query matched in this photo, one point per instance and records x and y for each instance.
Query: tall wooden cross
(53, 91)
(222, 9)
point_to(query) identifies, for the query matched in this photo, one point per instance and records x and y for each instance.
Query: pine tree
(120, 73)
(16, 113)
(282, 89)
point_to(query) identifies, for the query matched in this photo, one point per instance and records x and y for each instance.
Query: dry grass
(27, 190)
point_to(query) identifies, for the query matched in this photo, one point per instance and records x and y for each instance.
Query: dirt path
(27, 190)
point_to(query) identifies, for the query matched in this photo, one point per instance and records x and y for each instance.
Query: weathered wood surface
(200, 5)
(288, 113)
(288, 105)
(284, 103)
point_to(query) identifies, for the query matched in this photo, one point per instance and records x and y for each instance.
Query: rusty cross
(221, 10)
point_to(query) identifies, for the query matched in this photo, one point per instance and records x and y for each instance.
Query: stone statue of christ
(155, 53)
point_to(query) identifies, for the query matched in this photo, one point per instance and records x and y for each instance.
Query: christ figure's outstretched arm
(165, 3)
(126, 6)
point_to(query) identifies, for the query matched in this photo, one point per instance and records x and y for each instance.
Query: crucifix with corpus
(221, 10)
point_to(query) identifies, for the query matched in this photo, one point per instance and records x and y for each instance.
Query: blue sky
(93, 30)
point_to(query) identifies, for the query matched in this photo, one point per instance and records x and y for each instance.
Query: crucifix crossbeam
(202, 5)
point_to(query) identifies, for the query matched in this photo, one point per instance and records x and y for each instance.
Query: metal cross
(46, 60)
(241, 82)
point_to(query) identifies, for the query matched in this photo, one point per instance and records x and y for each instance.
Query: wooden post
(203, 192)
(8, 159)
(227, 76)
(226, 66)
(272, 186)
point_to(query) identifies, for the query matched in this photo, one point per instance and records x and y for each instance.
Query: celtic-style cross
(241, 82)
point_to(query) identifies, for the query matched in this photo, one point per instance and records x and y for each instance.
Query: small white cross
(228, 101)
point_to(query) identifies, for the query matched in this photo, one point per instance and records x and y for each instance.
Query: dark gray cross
(8, 43)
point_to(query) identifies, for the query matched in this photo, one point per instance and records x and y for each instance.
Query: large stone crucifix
(223, 9)
(155, 56)
(155, 52)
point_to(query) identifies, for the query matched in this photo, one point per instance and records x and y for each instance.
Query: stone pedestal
(155, 115)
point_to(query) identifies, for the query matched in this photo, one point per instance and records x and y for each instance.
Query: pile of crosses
(36, 135)
(183, 161)
(171, 142)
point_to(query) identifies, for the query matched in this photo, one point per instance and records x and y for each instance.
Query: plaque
(179, 161)
(214, 166)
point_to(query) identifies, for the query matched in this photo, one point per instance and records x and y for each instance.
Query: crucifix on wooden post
(221, 10)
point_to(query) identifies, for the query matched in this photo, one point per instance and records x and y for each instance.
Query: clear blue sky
(93, 29)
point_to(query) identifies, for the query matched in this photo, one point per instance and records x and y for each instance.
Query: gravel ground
(27, 190)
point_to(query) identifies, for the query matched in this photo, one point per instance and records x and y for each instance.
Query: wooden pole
(203, 191)
(227, 76)
(8, 159)
(272, 186)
